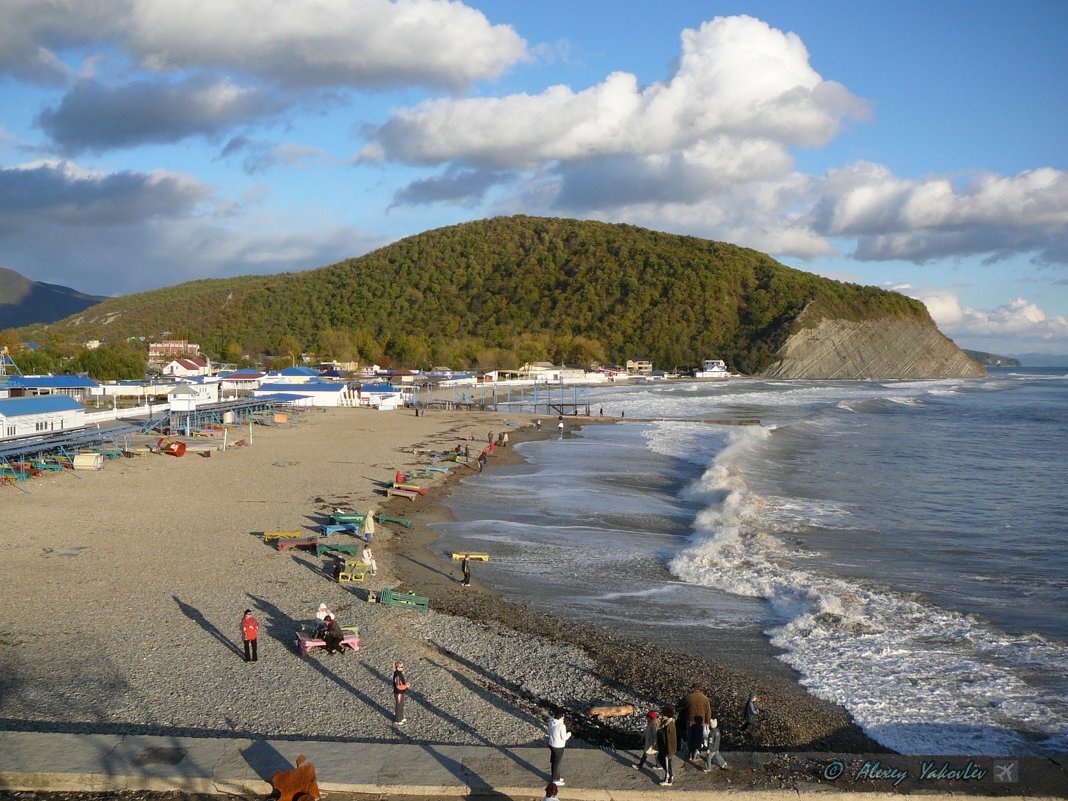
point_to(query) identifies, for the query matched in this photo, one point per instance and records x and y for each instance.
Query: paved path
(103, 762)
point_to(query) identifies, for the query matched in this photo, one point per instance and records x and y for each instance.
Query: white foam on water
(918, 678)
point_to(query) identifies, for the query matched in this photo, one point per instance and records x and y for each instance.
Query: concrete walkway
(102, 762)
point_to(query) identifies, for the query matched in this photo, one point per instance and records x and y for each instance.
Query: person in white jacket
(558, 737)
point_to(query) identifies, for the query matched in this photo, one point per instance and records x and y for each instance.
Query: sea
(902, 546)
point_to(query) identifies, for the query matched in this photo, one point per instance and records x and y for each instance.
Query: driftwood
(298, 784)
(611, 711)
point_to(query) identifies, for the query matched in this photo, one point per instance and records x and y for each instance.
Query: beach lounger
(474, 557)
(278, 535)
(400, 521)
(405, 600)
(351, 548)
(411, 495)
(306, 642)
(302, 542)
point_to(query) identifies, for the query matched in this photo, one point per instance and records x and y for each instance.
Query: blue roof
(378, 388)
(16, 407)
(283, 398)
(298, 371)
(52, 382)
(311, 386)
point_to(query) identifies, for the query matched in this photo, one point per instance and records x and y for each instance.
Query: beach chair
(396, 492)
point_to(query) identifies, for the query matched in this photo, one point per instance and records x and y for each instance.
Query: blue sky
(916, 146)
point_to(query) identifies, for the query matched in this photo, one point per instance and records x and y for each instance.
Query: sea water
(902, 544)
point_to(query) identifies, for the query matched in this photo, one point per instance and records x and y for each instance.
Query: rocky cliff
(893, 347)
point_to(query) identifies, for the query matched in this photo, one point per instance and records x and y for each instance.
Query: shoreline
(795, 720)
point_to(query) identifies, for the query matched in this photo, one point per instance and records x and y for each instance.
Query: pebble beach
(124, 588)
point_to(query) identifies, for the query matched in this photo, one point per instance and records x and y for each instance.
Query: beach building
(242, 381)
(72, 386)
(160, 353)
(641, 366)
(293, 375)
(381, 396)
(202, 389)
(184, 367)
(39, 415)
(311, 393)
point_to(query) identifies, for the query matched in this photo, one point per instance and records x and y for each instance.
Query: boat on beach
(712, 368)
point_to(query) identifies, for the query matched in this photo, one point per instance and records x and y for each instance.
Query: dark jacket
(666, 738)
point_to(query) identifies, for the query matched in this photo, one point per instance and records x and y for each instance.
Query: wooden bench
(306, 642)
(442, 470)
(351, 548)
(400, 521)
(278, 535)
(405, 600)
(347, 517)
(354, 571)
(328, 529)
(474, 557)
(396, 492)
(300, 542)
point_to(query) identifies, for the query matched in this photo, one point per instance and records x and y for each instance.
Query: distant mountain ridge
(25, 302)
(992, 359)
(519, 289)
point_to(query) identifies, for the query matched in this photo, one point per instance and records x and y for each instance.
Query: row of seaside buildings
(41, 404)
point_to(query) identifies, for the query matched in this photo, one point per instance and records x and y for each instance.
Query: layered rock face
(888, 348)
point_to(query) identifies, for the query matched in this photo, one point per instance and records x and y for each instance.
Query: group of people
(693, 733)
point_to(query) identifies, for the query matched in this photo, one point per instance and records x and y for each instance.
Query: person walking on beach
(560, 427)
(537, 424)
(250, 632)
(465, 569)
(368, 559)
(666, 740)
(369, 525)
(648, 738)
(698, 710)
(712, 740)
(504, 441)
(482, 459)
(400, 688)
(558, 737)
(751, 713)
(467, 451)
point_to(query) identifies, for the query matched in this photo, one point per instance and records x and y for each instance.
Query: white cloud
(1019, 325)
(360, 43)
(738, 80)
(922, 220)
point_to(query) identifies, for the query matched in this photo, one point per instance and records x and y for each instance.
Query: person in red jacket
(250, 630)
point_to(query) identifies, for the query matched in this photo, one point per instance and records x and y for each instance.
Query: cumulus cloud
(114, 233)
(64, 195)
(923, 220)
(457, 185)
(303, 43)
(95, 117)
(1018, 325)
(738, 79)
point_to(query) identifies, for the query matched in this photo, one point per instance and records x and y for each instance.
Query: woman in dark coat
(666, 742)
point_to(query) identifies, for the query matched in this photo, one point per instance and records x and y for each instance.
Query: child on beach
(711, 744)
(648, 739)
(250, 631)
(551, 792)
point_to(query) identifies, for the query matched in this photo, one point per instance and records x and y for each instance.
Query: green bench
(405, 600)
(400, 521)
(351, 548)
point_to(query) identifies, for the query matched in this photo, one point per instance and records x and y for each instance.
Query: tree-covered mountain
(504, 291)
(24, 302)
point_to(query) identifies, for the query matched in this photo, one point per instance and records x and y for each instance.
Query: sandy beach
(124, 587)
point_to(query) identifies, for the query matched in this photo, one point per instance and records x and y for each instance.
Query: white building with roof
(43, 414)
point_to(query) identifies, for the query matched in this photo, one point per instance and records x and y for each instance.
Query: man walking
(558, 737)
(400, 688)
(465, 568)
(697, 709)
(250, 631)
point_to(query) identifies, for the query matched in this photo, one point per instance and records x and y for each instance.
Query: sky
(914, 146)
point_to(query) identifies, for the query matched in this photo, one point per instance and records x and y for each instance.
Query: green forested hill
(500, 292)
